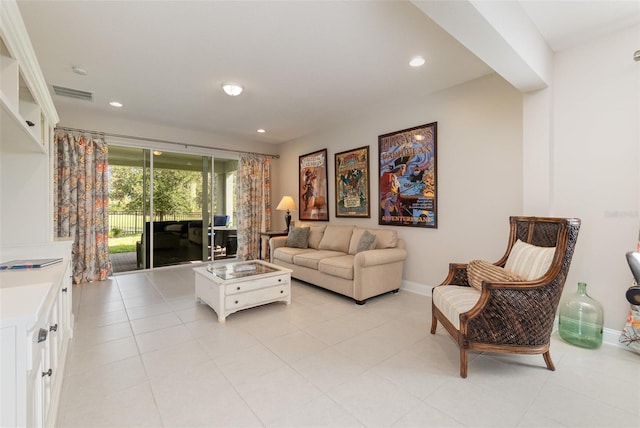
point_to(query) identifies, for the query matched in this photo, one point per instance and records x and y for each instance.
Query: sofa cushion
(384, 238)
(315, 235)
(286, 254)
(367, 242)
(298, 237)
(529, 261)
(340, 266)
(336, 238)
(453, 300)
(482, 270)
(311, 259)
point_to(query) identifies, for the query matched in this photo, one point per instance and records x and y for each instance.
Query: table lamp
(287, 204)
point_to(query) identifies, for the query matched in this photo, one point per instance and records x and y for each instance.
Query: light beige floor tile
(159, 339)
(276, 393)
(149, 310)
(374, 400)
(424, 415)
(132, 407)
(248, 364)
(574, 409)
(89, 387)
(321, 412)
(174, 360)
(201, 396)
(84, 339)
(480, 408)
(226, 339)
(156, 322)
(101, 320)
(195, 312)
(143, 300)
(204, 327)
(295, 346)
(328, 369)
(93, 358)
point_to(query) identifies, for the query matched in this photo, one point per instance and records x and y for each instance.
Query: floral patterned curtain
(253, 199)
(81, 202)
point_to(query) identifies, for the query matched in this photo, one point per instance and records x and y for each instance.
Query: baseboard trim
(417, 288)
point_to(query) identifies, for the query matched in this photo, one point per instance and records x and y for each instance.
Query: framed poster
(352, 183)
(313, 188)
(408, 192)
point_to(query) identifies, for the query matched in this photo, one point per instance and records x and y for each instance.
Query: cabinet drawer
(242, 287)
(252, 298)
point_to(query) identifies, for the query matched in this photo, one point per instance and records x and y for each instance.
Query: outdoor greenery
(125, 244)
(174, 191)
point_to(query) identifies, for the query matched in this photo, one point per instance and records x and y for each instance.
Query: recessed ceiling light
(261, 131)
(417, 61)
(232, 89)
(115, 104)
(157, 152)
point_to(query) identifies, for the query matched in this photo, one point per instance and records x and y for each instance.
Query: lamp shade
(286, 204)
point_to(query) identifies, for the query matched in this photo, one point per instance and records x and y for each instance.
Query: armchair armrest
(457, 275)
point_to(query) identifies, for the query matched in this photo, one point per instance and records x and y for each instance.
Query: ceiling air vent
(72, 93)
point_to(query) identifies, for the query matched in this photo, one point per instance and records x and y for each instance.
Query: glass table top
(240, 270)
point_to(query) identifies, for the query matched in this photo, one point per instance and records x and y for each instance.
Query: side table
(269, 235)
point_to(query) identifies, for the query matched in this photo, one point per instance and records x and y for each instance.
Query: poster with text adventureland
(408, 177)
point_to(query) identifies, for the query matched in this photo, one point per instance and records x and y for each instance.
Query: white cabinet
(36, 324)
(27, 119)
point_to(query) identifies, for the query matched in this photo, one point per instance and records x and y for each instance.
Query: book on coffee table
(29, 263)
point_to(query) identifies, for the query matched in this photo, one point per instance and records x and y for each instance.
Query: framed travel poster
(408, 177)
(313, 189)
(352, 183)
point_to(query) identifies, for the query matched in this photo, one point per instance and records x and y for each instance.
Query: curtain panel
(81, 202)
(253, 200)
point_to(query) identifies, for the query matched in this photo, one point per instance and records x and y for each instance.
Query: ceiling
(305, 65)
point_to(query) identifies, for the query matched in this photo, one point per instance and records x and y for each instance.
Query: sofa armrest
(379, 257)
(276, 242)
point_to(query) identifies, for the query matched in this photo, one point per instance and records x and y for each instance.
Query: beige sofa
(331, 260)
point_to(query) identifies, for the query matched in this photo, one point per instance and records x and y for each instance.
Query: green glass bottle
(581, 319)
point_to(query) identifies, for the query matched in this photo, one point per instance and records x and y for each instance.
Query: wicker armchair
(509, 317)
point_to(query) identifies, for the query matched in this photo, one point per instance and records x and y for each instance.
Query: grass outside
(123, 244)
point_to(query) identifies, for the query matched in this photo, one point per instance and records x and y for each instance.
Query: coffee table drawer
(242, 287)
(260, 296)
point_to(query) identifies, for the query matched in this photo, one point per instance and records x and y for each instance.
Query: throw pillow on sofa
(367, 242)
(298, 237)
(481, 270)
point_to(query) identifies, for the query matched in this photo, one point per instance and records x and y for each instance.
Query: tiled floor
(146, 354)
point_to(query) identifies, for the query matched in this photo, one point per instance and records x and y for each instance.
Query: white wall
(479, 172)
(596, 162)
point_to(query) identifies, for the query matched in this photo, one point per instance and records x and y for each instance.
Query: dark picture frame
(352, 183)
(313, 189)
(408, 177)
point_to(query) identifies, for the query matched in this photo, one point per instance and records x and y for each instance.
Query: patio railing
(132, 222)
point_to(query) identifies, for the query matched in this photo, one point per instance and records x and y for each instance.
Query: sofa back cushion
(336, 238)
(384, 238)
(315, 235)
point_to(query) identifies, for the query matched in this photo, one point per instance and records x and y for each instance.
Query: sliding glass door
(169, 208)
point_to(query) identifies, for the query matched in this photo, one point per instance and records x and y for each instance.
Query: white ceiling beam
(499, 33)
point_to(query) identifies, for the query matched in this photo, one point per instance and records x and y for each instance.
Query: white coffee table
(232, 287)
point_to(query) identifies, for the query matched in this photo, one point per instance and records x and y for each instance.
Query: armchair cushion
(481, 270)
(529, 261)
(453, 300)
